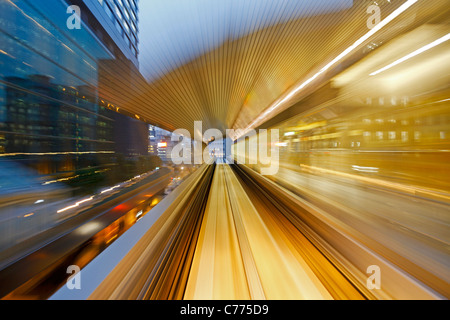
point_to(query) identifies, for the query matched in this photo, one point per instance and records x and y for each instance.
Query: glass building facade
(120, 20)
(51, 115)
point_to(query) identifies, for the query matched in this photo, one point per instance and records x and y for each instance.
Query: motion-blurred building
(47, 130)
(131, 136)
(54, 115)
(115, 23)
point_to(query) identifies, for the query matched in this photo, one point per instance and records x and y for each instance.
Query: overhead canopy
(243, 74)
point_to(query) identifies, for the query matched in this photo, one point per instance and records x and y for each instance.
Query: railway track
(227, 233)
(222, 236)
(249, 249)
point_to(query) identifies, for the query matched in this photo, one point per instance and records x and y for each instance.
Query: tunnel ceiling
(230, 85)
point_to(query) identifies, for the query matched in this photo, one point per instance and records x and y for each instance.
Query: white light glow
(89, 228)
(75, 205)
(364, 169)
(110, 189)
(413, 54)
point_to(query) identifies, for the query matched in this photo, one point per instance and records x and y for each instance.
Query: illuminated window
(118, 13)
(379, 135)
(405, 136)
(392, 135)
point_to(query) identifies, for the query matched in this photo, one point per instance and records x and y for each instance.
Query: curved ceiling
(239, 78)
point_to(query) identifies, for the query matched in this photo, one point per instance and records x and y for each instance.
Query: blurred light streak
(53, 153)
(75, 205)
(413, 54)
(364, 169)
(110, 189)
(392, 16)
(7, 54)
(413, 190)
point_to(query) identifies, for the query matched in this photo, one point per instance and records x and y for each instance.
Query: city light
(75, 205)
(110, 189)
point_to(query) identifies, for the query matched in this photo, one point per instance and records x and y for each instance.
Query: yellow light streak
(413, 54)
(342, 55)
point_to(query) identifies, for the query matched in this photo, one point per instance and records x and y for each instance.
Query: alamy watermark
(260, 147)
(74, 280)
(375, 17)
(374, 280)
(74, 20)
